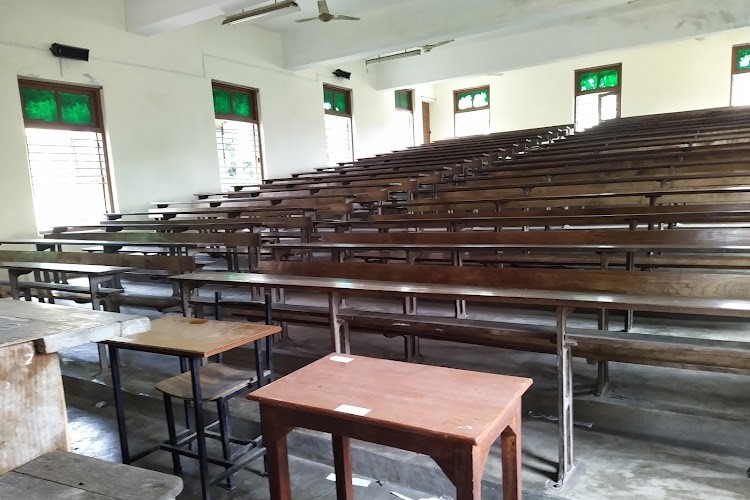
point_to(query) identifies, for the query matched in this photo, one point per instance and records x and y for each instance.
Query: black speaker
(60, 50)
(342, 74)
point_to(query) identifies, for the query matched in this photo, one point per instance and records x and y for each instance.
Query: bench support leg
(339, 329)
(602, 377)
(565, 397)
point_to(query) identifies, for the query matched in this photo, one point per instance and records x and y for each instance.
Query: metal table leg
(200, 431)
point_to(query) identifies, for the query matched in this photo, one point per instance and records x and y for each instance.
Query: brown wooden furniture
(679, 293)
(196, 340)
(60, 474)
(455, 424)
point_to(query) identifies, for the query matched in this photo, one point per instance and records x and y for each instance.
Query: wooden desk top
(554, 298)
(102, 243)
(444, 402)
(192, 337)
(55, 327)
(581, 247)
(91, 270)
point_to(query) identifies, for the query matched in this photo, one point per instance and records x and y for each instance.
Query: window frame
(254, 93)
(612, 90)
(348, 94)
(471, 90)
(97, 116)
(94, 94)
(410, 93)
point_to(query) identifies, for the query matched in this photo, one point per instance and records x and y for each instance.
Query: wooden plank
(55, 327)
(32, 405)
(16, 486)
(111, 480)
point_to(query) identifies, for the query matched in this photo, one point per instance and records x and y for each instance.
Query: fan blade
(307, 19)
(346, 18)
(323, 7)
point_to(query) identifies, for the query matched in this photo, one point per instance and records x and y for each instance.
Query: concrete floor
(658, 433)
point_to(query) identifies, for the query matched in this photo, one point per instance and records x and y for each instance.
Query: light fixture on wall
(397, 55)
(264, 12)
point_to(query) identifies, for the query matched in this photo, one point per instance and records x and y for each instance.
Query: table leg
(564, 397)
(114, 355)
(467, 472)
(342, 463)
(277, 459)
(13, 278)
(511, 457)
(200, 431)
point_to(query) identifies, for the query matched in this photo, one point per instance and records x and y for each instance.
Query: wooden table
(32, 403)
(97, 275)
(194, 340)
(453, 416)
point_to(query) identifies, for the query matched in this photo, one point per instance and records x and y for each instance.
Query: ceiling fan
(325, 15)
(431, 46)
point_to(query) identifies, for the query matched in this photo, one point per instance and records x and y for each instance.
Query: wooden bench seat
(593, 344)
(252, 310)
(63, 475)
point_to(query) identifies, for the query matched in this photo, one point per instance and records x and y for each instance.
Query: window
(597, 95)
(740, 75)
(237, 135)
(471, 111)
(67, 153)
(404, 118)
(337, 104)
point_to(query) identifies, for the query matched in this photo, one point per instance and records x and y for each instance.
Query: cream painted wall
(690, 74)
(157, 100)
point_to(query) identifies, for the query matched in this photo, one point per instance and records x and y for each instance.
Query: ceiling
(483, 29)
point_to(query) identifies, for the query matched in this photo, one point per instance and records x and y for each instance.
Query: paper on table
(355, 480)
(341, 359)
(353, 410)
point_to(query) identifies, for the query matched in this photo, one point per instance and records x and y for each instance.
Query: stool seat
(217, 381)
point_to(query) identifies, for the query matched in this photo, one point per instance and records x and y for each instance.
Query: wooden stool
(219, 383)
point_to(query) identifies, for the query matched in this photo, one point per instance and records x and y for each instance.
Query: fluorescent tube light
(397, 55)
(264, 12)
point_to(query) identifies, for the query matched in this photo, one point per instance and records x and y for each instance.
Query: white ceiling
(483, 29)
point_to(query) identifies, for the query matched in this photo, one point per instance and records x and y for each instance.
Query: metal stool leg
(222, 407)
(172, 433)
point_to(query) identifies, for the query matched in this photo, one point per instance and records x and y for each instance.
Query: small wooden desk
(194, 339)
(453, 416)
(32, 403)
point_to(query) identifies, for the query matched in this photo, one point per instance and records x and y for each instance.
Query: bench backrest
(243, 239)
(697, 237)
(662, 284)
(171, 264)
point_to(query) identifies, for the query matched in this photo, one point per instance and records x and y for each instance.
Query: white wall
(679, 76)
(157, 100)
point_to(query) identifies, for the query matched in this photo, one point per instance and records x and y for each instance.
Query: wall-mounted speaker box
(78, 53)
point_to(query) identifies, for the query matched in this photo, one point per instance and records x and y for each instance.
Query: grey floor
(658, 433)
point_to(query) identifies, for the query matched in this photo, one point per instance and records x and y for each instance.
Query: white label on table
(341, 359)
(353, 410)
(356, 481)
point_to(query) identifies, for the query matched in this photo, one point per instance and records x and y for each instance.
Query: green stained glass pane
(743, 59)
(609, 78)
(222, 102)
(39, 104)
(339, 102)
(328, 100)
(481, 99)
(76, 109)
(241, 104)
(588, 81)
(403, 99)
(465, 101)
